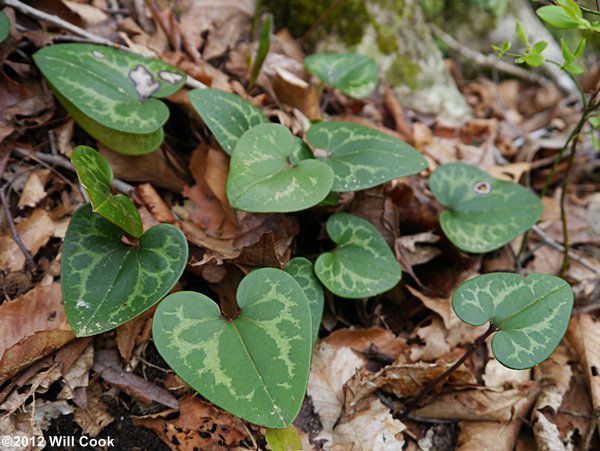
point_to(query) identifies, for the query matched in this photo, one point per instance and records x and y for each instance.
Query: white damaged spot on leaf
(483, 187)
(98, 54)
(170, 77)
(143, 81)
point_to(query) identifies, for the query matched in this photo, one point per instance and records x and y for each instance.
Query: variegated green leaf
(96, 176)
(4, 26)
(355, 75)
(301, 269)
(483, 213)
(532, 314)
(362, 265)
(255, 366)
(122, 142)
(111, 87)
(362, 157)
(227, 115)
(106, 282)
(263, 176)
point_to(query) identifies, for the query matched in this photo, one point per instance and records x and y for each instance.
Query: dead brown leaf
(33, 191)
(297, 93)
(200, 425)
(95, 416)
(33, 326)
(134, 332)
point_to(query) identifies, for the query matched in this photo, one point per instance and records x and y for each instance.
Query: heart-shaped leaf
(227, 115)
(264, 178)
(96, 176)
(362, 265)
(113, 88)
(255, 366)
(484, 213)
(362, 157)
(301, 269)
(4, 26)
(122, 142)
(355, 75)
(532, 314)
(106, 282)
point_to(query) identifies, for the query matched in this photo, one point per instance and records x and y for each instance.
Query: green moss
(387, 41)
(403, 71)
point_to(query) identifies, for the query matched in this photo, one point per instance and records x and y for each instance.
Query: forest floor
(372, 354)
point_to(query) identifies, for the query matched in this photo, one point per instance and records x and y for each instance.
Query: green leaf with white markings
(116, 89)
(96, 176)
(484, 213)
(255, 366)
(227, 115)
(362, 265)
(266, 174)
(354, 75)
(362, 157)
(4, 26)
(531, 314)
(301, 269)
(106, 282)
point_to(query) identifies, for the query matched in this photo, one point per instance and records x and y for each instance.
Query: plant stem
(431, 385)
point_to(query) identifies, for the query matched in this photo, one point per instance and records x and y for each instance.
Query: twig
(57, 160)
(431, 385)
(553, 244)
(490, 61)
(592, 425)
(86, 35)
(14, 232)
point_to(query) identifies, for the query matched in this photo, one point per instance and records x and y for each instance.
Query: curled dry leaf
(33, 326)
(33, 191)
(95, 416)
(134, 332)
(297, 93)
(480, 404)
(200, 425)
(35, 232)
(106, 362)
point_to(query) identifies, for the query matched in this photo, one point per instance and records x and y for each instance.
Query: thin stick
(57, 160)
(89, 37)
(14, 232)
(431, 385)
(553, 244)
(489, 61)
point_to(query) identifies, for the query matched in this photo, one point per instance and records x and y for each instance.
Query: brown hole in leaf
(482, 187)
(594, 370)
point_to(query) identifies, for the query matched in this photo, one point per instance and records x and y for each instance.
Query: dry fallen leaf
(200, 425)
(95, 416)
(33, 191)
(33, 326)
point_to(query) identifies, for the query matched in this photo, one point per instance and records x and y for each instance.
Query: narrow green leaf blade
(302, 270)
(532, 314)
(105, 282)
(112, 87)
(256, 366)
(96, 176)
(227, 115)
(264, 45)
(354, 75)
(362, 265)
(263, 177)
(484, 213)
(362, 157)
(4, 26)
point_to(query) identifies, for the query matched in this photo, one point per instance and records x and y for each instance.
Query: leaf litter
(374, 356)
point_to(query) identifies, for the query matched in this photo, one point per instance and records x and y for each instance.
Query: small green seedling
(483, 213)
(227, 115)
(302, 270)
(531, 314)
(254, 366)
(354, 75)
(114, 94)
(362, 265)
(106, 282)
(266, 175)
(4, 26)
(362, 157)
(96, 176)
